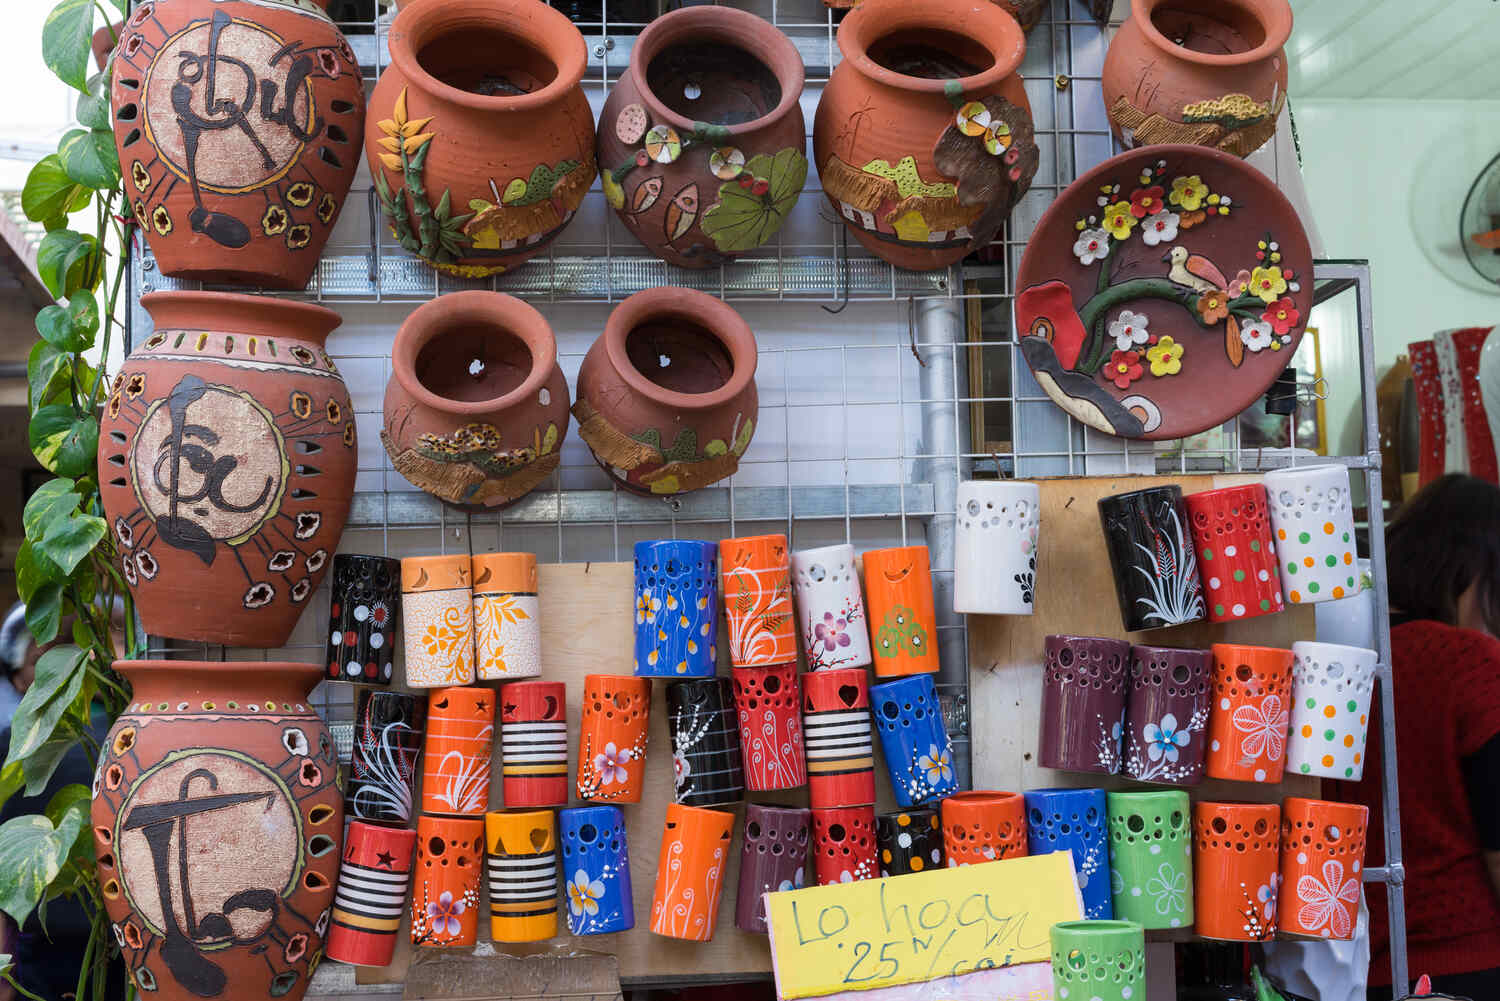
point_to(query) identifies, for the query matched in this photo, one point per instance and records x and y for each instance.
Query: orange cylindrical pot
(1207, 72)
(522, 874)
(903, 618)
(479, 137)
(983, 826)
(690, 872)
(757, 575)
(616, 718)
(923, 137)
(1251, 703)
(1236, 853)
(456, 755)
(445, 881)
(1322, 858)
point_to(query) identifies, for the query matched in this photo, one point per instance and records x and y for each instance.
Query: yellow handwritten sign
(918, 927)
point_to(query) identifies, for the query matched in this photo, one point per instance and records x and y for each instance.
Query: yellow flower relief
(1118, 220)
(1267, 283)
(1165, 357)
(1188, 192)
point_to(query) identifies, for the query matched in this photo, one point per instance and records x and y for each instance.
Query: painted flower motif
(726, 163)
(1146, 201)
(682, 769)
(1282, 315)
(380, 614)
(274, 221)
(1268, 283)
(1256, 335)
(646, 607)
(663, 144)
(797, 881)
(611, 764)
(436, 640)
(1124, 368)
(1240, 284)
(832, 631)
(1213, 306)
(443, 913)
(1116, 881)
(1188, 192)
(1165, 357)
(584, 894)
(1092, 245)
(937, 765)
(1119, 220)
(301, 194)
(1169, 888)
(1323, 901)
(1164, 739)
(1266, 896)
(1264, 727)
(1160, 228)
(1130, 330)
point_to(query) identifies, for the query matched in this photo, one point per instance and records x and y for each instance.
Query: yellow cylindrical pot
(522, 871)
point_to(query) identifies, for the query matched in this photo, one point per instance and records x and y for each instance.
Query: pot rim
(741, 29)
(438, 316)
(419, 21)
(983, 22)
(290, 669)
(702, 310)
(1274, 17)
(256, 314)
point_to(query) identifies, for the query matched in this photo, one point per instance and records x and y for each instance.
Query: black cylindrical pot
(388, 731)
(773, 858)
(1156, 573)
(1166, 725)
(364, 608)
(909, 841)
(705, 731)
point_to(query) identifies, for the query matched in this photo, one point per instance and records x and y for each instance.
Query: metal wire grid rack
(866, 414)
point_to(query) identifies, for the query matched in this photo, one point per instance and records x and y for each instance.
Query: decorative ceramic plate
(1163, 292)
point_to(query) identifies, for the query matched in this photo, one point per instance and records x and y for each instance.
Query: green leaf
(90, 158)
(52, 501)
(68, 542)
(31, 856)
(93, 112)
(11, 781)
(72, 327)
(33, 570)
(46, 369)
(64, 442)
(50, 193)
(40, 765)
(69, 811)
(67, 37)
(59, 675)
(44, 611)
(65, 262)
(741, 220)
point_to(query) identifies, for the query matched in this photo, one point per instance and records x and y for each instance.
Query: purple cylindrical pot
(1083, 703)
(774, 857)
(1166, 729)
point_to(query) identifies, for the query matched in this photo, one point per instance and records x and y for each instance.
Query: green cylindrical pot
(1098, 961)
(1150, 857)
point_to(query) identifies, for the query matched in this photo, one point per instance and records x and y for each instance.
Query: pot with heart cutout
(840, 744)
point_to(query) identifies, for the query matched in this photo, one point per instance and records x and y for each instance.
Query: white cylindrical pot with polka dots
(830, 608)
(1331, 689)
(1313, 519)
(994, 567)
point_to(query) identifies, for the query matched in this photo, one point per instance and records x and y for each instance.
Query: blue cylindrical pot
(1075, 820)
(596, 868)
(676, 608)
(913, 739)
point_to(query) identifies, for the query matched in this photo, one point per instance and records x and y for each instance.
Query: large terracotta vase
(238, 125)
(923, 137)
(1204, 72)
(477, 408)
(701, 143)
(666, 396)
(216, 826)
(480, 140)
(226, 465)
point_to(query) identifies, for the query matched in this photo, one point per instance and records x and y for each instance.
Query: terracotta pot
(480, 141)
(246, 193)
(923, 137)
(666, 396)
(477, 408)
(1206, 72)
(103, 43)
(226, 465)
(242, 894)
(701, 142)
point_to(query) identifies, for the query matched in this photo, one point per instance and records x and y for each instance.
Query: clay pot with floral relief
(479, 138)
(923, 137)
(1206, 72)
(217, 822)
(237, 124)
(227, 455)
(476, 408)
(666, 396)
(702, 142)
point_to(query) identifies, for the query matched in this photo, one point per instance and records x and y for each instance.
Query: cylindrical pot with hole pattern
(1322, 858)
(757, 577)
(612, 732)
(596, 870)
(843, 845)
(1166, 726)
(1075, 820)
(522, 874)
(1151, 857)
(994, 563)
(1231, 530)
(389, 728)
(1332, 687)
(364, 611)
(1237, 852)
(690, 872)
(769, 703)
(1313, 518)
(1099, 959)
(507, 619)
(371, 895)
(836, 732)
(445, 884)
(1085, 683)
(534, 743)
(983, 826)
(1252, 688)
(830, 608)
(913, 739)
(909, 841)
(773, 857)
(1151, 553)
(705, 734)
(676, 608)
(458, 750)
(903, 615)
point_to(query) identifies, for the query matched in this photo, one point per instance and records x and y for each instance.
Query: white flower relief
(1160, 228)
(1169, 889)
(1328, 904)
(1129, 330)
(1256, 335)
(1092, 245)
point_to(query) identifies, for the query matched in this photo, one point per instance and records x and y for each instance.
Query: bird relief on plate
(1163, 292)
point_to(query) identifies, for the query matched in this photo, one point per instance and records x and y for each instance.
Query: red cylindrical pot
(1207, 72)
(1252, 689)
(534, 743)
(445, 884)
(1432, 424)
(467, 434)
(237, 126)
(840, 744)
(1236, 850)
(843, 845)
(371, 894)
(1231, 531)
(479, 138)
(690, 872)
(226, 465)
(666, 395)
(701, 141)
(757, 579)
(1322, 856)
(769, 702)
(923, 137)
(983, 826)
(217, 821)
(456, 756)
(612, 734)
